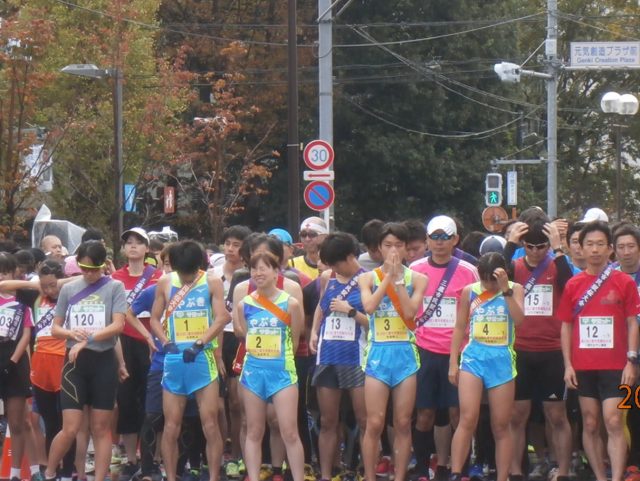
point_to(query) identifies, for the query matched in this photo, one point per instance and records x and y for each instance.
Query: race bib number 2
(264, 342)
(90, 317)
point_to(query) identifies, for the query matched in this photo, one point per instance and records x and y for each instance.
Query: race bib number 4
(264, 342)
(90, 317)
(190, 325)
(339, 327)
(444, 316)
(492, 331)
(596, 332)
(389, 329)
(539, 302)
(6, 320)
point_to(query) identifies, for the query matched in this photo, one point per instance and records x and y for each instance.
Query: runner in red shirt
(599, 337)
(135, 276)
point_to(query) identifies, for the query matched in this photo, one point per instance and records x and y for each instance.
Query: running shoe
(265, 472)
(309, 473)
(382, 469)
(539, 471)
(242, 469)
(231, 470)
(127, 471)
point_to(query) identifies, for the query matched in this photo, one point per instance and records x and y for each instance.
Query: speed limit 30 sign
(318, 155)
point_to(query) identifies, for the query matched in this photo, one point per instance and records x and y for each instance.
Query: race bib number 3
(6, 319)
(389, 329)
(90, 317)
(491, 331)
(444, 316)
(264, 342)
(190, 325)
(539, 302)
(596, 332)
(339, 327)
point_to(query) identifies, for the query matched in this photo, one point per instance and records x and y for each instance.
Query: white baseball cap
(139, 231)
(492, 243)
(594, 214)
(443, 223)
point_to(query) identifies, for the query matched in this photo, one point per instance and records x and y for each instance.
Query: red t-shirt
(540, 331)
(599, 332)
(130, 282)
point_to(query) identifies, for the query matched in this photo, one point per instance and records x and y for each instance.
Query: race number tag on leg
(6, 321)
(190, 325)
(444, 315)
(491, 330)
(90, 317)
(390, 329)
(596, 332)
(339, 327)
(539, 302)
(264, 342)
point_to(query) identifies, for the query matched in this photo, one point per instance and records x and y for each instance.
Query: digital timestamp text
(631, 397)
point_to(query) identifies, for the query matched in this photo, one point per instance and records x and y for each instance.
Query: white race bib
(444, 316)
(539, 302)
(6, 319)
(596, 332)
(90, 317)
(339, 327)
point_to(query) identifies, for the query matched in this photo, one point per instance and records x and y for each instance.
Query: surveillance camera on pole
(508, 72)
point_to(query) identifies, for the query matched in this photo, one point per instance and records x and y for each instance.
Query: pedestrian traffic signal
(493, 190)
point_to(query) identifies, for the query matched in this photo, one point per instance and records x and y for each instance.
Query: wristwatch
(352, 312)
(508, 293)
(632, 357)
(558, 250)
(400, 283)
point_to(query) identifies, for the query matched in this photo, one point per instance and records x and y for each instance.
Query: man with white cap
(594, 214)
(447, 276)
(313, 230)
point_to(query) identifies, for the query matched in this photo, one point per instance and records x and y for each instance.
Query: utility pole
(325, 84)
(118, 224)
(293, 144)
(551, 57)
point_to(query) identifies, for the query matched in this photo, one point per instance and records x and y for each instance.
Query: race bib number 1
(596, 332)
(190, 325)
(90, 317)
(339, 327)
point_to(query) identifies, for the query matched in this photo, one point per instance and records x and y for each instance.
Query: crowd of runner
(415, 354)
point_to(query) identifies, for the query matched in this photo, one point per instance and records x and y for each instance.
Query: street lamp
(93, 72)
(626, 104)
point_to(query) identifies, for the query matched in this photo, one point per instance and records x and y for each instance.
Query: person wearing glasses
(437, 316)
(489, 311)
(313, 230)
(90, 316)
(391, 296)
(599, 338)
(538, 351)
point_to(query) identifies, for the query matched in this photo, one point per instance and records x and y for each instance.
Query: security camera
(508, 72)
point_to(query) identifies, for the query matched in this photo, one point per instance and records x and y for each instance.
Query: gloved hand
(190, 353)
(170, 348)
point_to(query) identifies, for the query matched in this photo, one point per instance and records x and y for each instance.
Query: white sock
(15, 473)
(65, 479)
(34, 469)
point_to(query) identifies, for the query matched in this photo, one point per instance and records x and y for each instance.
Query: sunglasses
(308, 233)
(443, 236)
(86, 267)
(539, 247)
